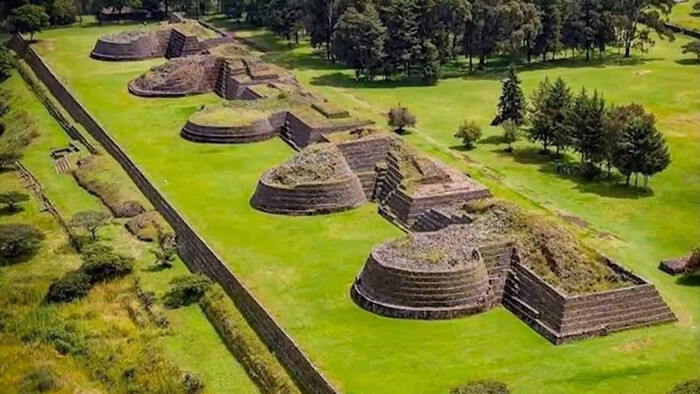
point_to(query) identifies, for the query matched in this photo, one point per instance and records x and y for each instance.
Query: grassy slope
(193, 344)
(684, 16)
(301, 268)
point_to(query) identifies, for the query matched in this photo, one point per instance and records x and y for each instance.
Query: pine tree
(587, 126)
(642, 148)
(512, 104)
(359, 41)
(540, 129)
(559, 107)
(549, 38)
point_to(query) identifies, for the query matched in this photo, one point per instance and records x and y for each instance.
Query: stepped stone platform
(170, 41)
(400, 280)
(259, 130)
(178, 78)
(392, 282)
(315, 181)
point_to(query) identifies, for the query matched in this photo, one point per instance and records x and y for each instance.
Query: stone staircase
(286, 136)
(221, 88)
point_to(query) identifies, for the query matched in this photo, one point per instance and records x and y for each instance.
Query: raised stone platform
(178, 78)
(316, 181)
(259, 130)
(413, 287)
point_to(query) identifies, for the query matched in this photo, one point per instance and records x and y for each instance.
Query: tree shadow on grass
(6, 211)
(689, 280)
(492, 140)
(462, 148)
(6, 262)
(613, 187)
(688, 62)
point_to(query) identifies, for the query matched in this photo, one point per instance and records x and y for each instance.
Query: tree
(12, 198)
(635, 19)
(90, 221)
(63, 12)
(358, 40)
(6, 63)
(512, 103)
(549, 37)
(400, 118)
(119, 5)
(511, 133)
(166, 251)
(691, 47)
(30, 19)
(17, 240)
(641, 149)
(430, 63)
(401, 20)
(587, 119)
(613, 126)
(469, 131)
(550, 115)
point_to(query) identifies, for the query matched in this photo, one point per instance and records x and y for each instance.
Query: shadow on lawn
(5, 211)
(613, 187)
(452, 69)
(692, 280)
(688, 62)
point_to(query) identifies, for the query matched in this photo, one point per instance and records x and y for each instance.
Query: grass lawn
(301, 268)
(192, 344)
(683, 15)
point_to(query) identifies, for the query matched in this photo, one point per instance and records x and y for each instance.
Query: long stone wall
(196, 254)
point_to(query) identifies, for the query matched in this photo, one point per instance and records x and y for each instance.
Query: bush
(2, 128)
(18, 240)
(481, 387)
(400, 118)
(192, 384)
(267, 373)
(469, 131)
(63, 12)
(12, 198)
(5, 65)
(693, 261)
(73, 285)
(102, 263)
(687, 387)
(186, 289)
(40, 380)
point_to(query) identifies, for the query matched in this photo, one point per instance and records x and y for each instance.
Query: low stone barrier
(195, 252)
(384, 289)
(259, 130)
(309, 199)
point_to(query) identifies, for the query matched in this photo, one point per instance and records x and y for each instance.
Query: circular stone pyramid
(315, 181)
(423, 276)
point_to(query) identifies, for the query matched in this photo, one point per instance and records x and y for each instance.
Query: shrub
(400, 118)
(687, 387)
(102, 263)
(12, 198)
(186, 290)
(693, 261)
(267, 373)
(18, 240)
(63, 12)
(90, 221)
(511, 133)
(192, 384)
(73, 285)
(469, 131)
(481, 387)
(2, 128)
(5, 65)
(8, 157)
(40, 380)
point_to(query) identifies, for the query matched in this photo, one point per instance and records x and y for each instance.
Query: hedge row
(260, 365)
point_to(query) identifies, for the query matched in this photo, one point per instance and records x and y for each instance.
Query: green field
(192, 344)
(301, 268)
(683, 15)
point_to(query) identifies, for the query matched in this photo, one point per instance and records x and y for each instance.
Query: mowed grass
(683, 15)
(302, 268)
(192, 344)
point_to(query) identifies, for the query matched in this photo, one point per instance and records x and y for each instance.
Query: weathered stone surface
(674, 266)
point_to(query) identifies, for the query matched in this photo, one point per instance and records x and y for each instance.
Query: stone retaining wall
(309, 199)
(148, 46)
(195, 253)
(561, 318)
(259, 130)
(403, 293)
